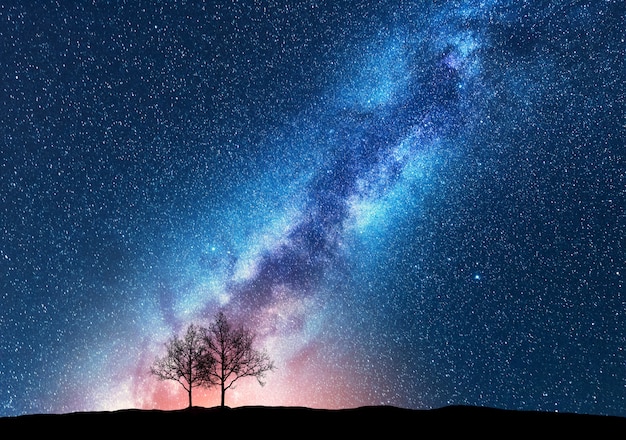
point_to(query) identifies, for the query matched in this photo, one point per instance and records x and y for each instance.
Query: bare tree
(233, 354)
(185, 361)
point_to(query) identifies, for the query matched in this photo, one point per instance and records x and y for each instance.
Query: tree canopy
(218, 355)
(233, 354)
(187, 360)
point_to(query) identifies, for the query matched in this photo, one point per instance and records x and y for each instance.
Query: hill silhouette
(293, 422)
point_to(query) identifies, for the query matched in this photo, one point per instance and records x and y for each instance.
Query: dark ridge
(293, 422)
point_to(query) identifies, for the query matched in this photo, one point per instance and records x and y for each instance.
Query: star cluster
(411, 203)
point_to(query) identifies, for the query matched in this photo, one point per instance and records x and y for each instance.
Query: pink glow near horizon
(305, 386)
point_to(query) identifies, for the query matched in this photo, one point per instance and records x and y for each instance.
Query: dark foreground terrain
(294, 422)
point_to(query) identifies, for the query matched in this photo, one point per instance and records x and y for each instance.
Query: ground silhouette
(295, 422)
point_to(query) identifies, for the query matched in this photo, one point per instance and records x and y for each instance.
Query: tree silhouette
(186, 360)
(233, 355)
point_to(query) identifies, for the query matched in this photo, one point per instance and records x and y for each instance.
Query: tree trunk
(223, 393)
(189, 397)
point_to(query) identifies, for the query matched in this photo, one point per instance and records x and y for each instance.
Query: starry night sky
(414, 203)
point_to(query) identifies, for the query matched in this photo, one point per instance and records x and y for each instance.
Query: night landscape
(400, 215)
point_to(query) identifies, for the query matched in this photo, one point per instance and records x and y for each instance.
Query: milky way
(416, 204)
